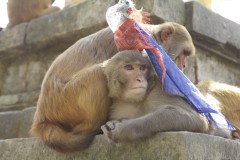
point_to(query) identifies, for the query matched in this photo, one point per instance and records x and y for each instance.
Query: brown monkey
(20, 11)
(74, 102)
(225, 96)
(176, 41)
(138, 100)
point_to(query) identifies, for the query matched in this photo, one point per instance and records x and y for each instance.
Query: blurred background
(227, 8)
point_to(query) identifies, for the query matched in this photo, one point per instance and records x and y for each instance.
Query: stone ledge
(18, 101)
(67, 26)
(12, 41)
(213, 32)
(16, 124)
(56, 31)
(171, 146)
(61, 29)
(171, 10)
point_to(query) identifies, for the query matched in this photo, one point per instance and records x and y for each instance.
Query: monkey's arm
(167, 118)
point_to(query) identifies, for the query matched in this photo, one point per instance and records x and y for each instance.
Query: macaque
(227, 98)
(141, 108)
(20, 11)
(177, 42)
(73, 101)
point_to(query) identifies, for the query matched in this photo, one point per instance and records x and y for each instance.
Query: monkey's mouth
(138, 88)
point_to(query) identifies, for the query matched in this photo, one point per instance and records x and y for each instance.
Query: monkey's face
(133, 80)
(129, 76)
(176, 41)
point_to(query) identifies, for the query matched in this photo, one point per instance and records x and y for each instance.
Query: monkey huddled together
(82, 91)
(141, 108)
(73, 103)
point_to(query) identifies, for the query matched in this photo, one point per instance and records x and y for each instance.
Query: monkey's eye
(143, 67)
(128, 67)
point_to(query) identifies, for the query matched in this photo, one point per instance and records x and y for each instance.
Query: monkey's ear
(166, 33)
(163, 32)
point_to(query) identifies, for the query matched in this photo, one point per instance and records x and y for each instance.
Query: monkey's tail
(63, 140)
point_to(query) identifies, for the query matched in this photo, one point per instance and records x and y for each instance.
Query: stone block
(9, 124)
(169, 145)
(12, 41)
(16, 124)
(191, 69)
(18, 101)
(213, 67)
(212, 31)
(24, 73)
(67, 26)
(26, 119)
(170, 10)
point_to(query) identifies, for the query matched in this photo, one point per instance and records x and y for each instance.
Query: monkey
(226, 97)
(20, 11)
(73, 103)
(176, 41)
(141, 108)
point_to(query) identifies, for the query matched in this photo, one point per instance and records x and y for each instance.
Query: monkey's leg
(169, 118)
(88, 88)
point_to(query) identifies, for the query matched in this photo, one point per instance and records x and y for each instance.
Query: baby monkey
(141, 108)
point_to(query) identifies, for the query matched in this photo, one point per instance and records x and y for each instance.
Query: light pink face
(181, 60)
(134, 80)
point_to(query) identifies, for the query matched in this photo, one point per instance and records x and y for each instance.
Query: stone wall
(27, 51)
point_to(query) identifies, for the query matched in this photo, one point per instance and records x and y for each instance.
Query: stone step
(18, 101)
(15, 124)
(169, 145)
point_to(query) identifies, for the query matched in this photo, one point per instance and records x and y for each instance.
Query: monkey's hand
(124, 131)
(236, 135)
(116, 131)
(111, 130)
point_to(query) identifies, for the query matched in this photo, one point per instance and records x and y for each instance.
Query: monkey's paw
(112, 130)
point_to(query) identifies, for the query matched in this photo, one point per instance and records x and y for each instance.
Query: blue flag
(176, 82)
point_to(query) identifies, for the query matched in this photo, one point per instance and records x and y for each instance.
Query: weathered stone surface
(9, 124)
(18, 101)
(67, 26)
(213, 31)
(2, 75)
(12, 41)
(26, 119)
(171, 146)
(24, 73)
(213, 67)
(171, 10)
(16, 124)
(191, 68)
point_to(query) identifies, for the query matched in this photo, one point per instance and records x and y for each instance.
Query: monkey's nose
(140, 78)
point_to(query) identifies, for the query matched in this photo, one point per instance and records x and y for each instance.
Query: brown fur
(20, 11)
(224, 96)
(156, 112)
(73, 101)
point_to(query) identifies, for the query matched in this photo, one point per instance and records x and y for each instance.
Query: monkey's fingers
(105, 129)
(236, 134)
(107, 132)
(112, 124)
